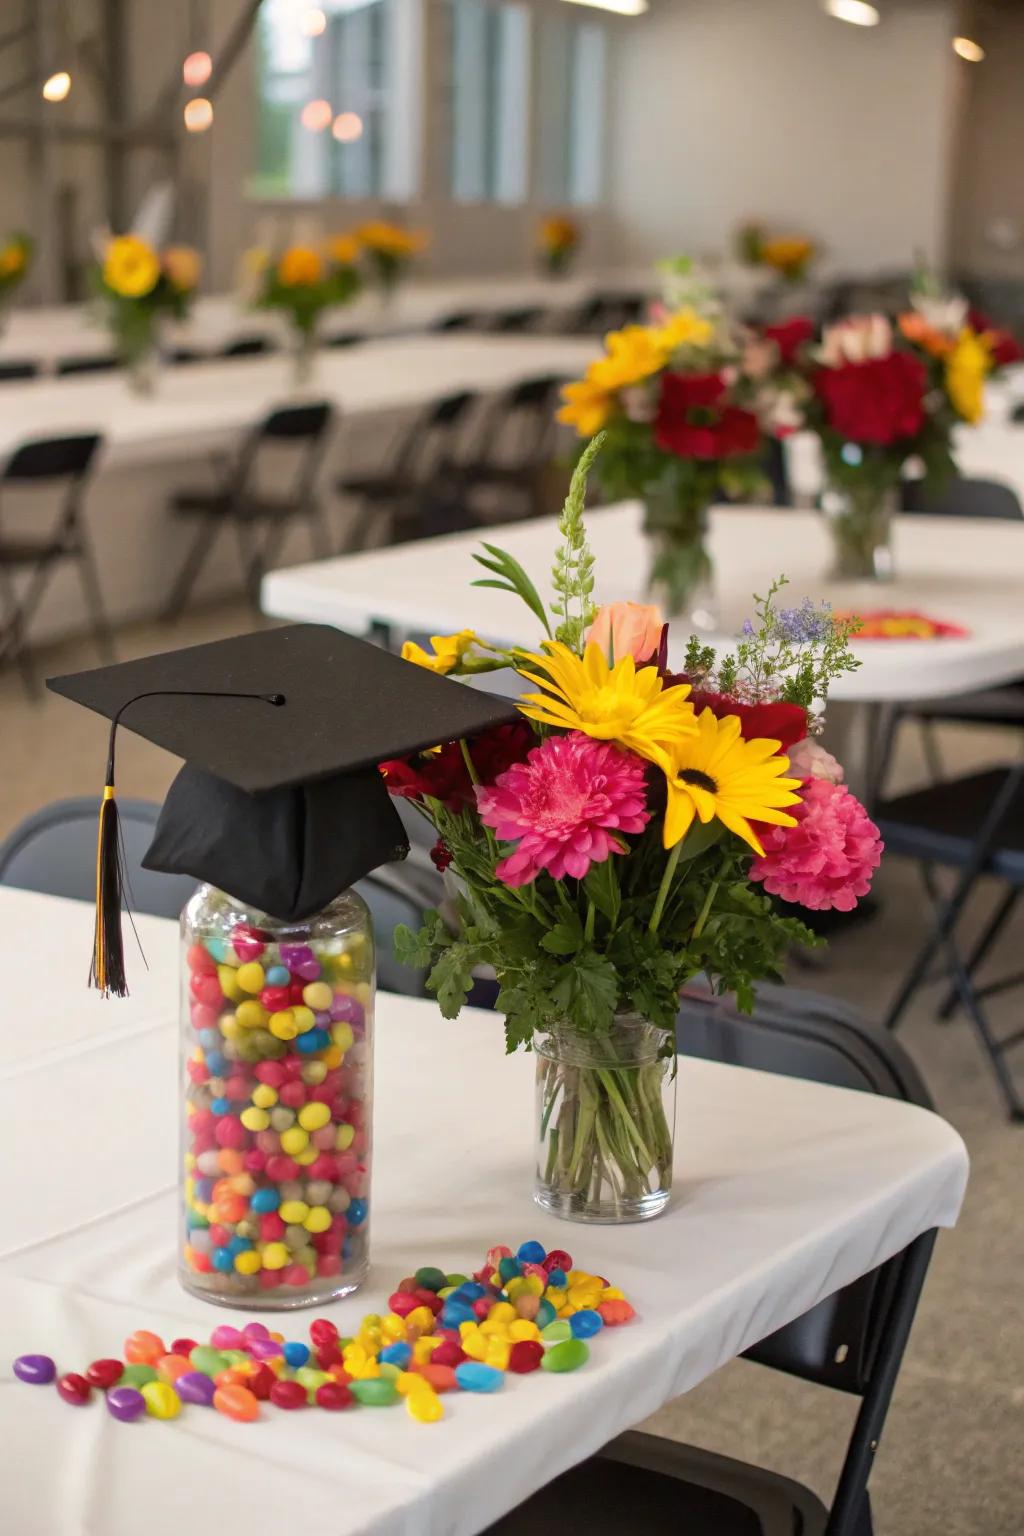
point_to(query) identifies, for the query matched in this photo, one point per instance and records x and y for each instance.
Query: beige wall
(988, 195)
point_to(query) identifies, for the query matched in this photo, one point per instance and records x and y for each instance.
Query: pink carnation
(566, 806)
(828, 858)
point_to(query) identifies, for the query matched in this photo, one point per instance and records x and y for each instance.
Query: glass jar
(276, 1075)
(606, 1109)
(860, 521)
(681, 575)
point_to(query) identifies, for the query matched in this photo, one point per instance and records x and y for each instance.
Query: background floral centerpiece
(389, 249)
(558, 240)
(618, 840)
(138, 288)
(302, 282)
(15, 262)
(788, 256)
(668, 397)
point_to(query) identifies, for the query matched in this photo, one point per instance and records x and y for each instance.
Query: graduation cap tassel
(107, 972)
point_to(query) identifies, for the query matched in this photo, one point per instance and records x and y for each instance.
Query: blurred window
(489, 73)
(571, 115)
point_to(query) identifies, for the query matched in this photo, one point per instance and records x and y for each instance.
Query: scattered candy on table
(521, 1312)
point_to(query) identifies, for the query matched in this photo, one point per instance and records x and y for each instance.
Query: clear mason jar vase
(606, 1121)
(680, 575)
(860, 521)
(276, 1089)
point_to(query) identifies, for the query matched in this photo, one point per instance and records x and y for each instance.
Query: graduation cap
(280, 802)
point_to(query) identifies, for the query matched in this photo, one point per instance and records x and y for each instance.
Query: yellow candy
(304, 1018)
(248, 1262)
(318, 1220)
(313, 1116)
(294, 1140)
(228, 978)
(189, 1160)
(582, 1297)
(424, 1406)
(306, 1156)
(242, 1184)
(275, 1256)
(278, 1338)
(255, 1119)
(293, 1212)
(523, 1328)
(502, 1312)
(250, 1014)
(420, 1320)
(498, 1351)
(392, 1328)
(345, 1137)
(556, 1296)
(331, 1058)
(494, 1328)
(408, 1381)
(341, 1034)
(282, 1024)
(230, 1027)
(317, 996)
(251, 977)
(161, 1400)
(534, 1285)
(612, 1293)
(314, 1072)
(424, 1347)
(263, 1096)
(476, 1345)
(361, 991)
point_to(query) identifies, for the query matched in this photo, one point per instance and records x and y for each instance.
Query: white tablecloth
(969, 572)
(785, 1191)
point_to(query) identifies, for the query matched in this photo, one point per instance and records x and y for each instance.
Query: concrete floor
(950, 1462)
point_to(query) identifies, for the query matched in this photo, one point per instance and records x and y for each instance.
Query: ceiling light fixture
(968, 49)
(56, 88)
(620, 7)
(197, 69)
(198, 115)
(857, 12)
(317, 115)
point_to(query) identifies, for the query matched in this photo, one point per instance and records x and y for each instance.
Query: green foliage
(509, 576)
(573, 574)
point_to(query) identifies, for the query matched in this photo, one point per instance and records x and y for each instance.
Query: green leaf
(412, 949)
(506, 565)
(586, 992)
(565, 938)
(451, 979)
(601, 885)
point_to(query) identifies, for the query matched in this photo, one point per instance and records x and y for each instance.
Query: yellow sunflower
(300, 267)
(684, 329)
(610, 703)
(587, 406)
(715, 773)
(448, 651)
(966, 368)
(633, 354)
(343, 250)
(131, 267)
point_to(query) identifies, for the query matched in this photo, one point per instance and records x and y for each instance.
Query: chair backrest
(461, 320)
(300, 431)
(52, 458)
(345, 339)
(69, 365)
(964, 497)
(248, 346)
(54, 851)
(18, 370)
(510, 322)
(520, 429)
(1017, 414)
(803, 1034)
(294, 422)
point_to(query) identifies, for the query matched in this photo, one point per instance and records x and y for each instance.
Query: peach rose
(627, 629)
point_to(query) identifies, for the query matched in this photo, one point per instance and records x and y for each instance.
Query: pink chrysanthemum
(828, 858)
(566, 806)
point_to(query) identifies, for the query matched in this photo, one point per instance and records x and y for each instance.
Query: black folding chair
(424, 460)
(66, 366)
(964, 497)
(974, 826)
(345, 339)
(853, 1341)
(515, 322)
(248, 346)
(16, 369)
(259, 519)
(460, 320)
(61, 465)
(519, 437)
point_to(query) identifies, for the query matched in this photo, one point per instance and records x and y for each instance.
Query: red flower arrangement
(443, 775)
(880, 400)
(789, 336)
(693, 422)
(773, 720)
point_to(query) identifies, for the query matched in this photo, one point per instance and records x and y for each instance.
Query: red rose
(790, 335)
(443, 774)
(694, 423)
(877, 401)
(1004, 347)
(775, 721)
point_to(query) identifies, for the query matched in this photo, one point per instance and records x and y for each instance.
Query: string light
(197, 69)
(57, 86)
(314, 23)
(348, 127)
(968, 49)
(198, 115)
(317, 115)
(857, 12)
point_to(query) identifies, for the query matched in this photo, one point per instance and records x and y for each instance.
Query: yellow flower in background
(633, 354)
(390, 239)
(300, 267)
(448, 651)
(183, 267)
(131, 267)
(587, 406)
(559, 233)
(13, 257)
(610, 703)
(788, 254)
(966, 368)
(684, 329)
(343, 250)
(714, 773)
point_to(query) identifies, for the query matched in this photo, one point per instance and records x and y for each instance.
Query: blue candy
(469, 1290)
(265, 1200)
(356, 1213)
(217, 1063)
(454, 1314)
(218, 949)
(278, 976)
(586, 1323)
(220, 1106)
(312, 1040)
(204, 1190)
(209, 1039)
(508, 1268)
(295, 1353)
(531, 1252)
(397, 1354)
(238, 1245)
(222, 1260)
(474, 1376)
(557, 1277)
(545, 1314)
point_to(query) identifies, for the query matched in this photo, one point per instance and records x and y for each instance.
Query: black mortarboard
(280, 802)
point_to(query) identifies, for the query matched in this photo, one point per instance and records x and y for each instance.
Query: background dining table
(785, 1191)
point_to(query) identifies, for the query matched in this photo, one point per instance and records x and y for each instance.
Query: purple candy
(255, 1331)
(264, 1349)
(294, 955)
(346, 1010)
(37, 1370)
(125, 1403)
(227, 1337)
(309, 969)
(195, 1387)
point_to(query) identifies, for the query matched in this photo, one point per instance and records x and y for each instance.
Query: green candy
(430, 1279)
(556, 1332)
(208, 1360)
(235, 1357)
(309, 1377)
(375, 1392)
(389, 1371)
(453, 1280)
(545, 1314)
(567, 1356)
(136, 1376)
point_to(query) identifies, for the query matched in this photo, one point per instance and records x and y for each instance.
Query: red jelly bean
(271, 1227)
(525, 1356)
(429, 1299)
(448, 1353)
(322, 1331)
(270, 1279)
(274, 999)
(230, 1132)
(293, 1093)
(329, 1264)
(182, 1347)
(281, 1169)
(260, 1382)
(206, 989)
(295, 1274)
(558, 1259)
(333, 1395)
(74, 1389)
(288, 1394)
(104, 1373)
(483, 1305)
(402, 1303)
(200, 960)
(237, 1090)
(270, 1072)
(327, 1354)
(323, 1167)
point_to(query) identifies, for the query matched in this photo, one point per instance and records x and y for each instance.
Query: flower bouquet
(788, 256)
(559, 240)
(628, 833)
(389, 249)
(668, 398)
(302, 282)
(15, 261)
(138, 287)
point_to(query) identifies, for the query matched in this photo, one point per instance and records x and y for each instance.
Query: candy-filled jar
(276, 1073)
